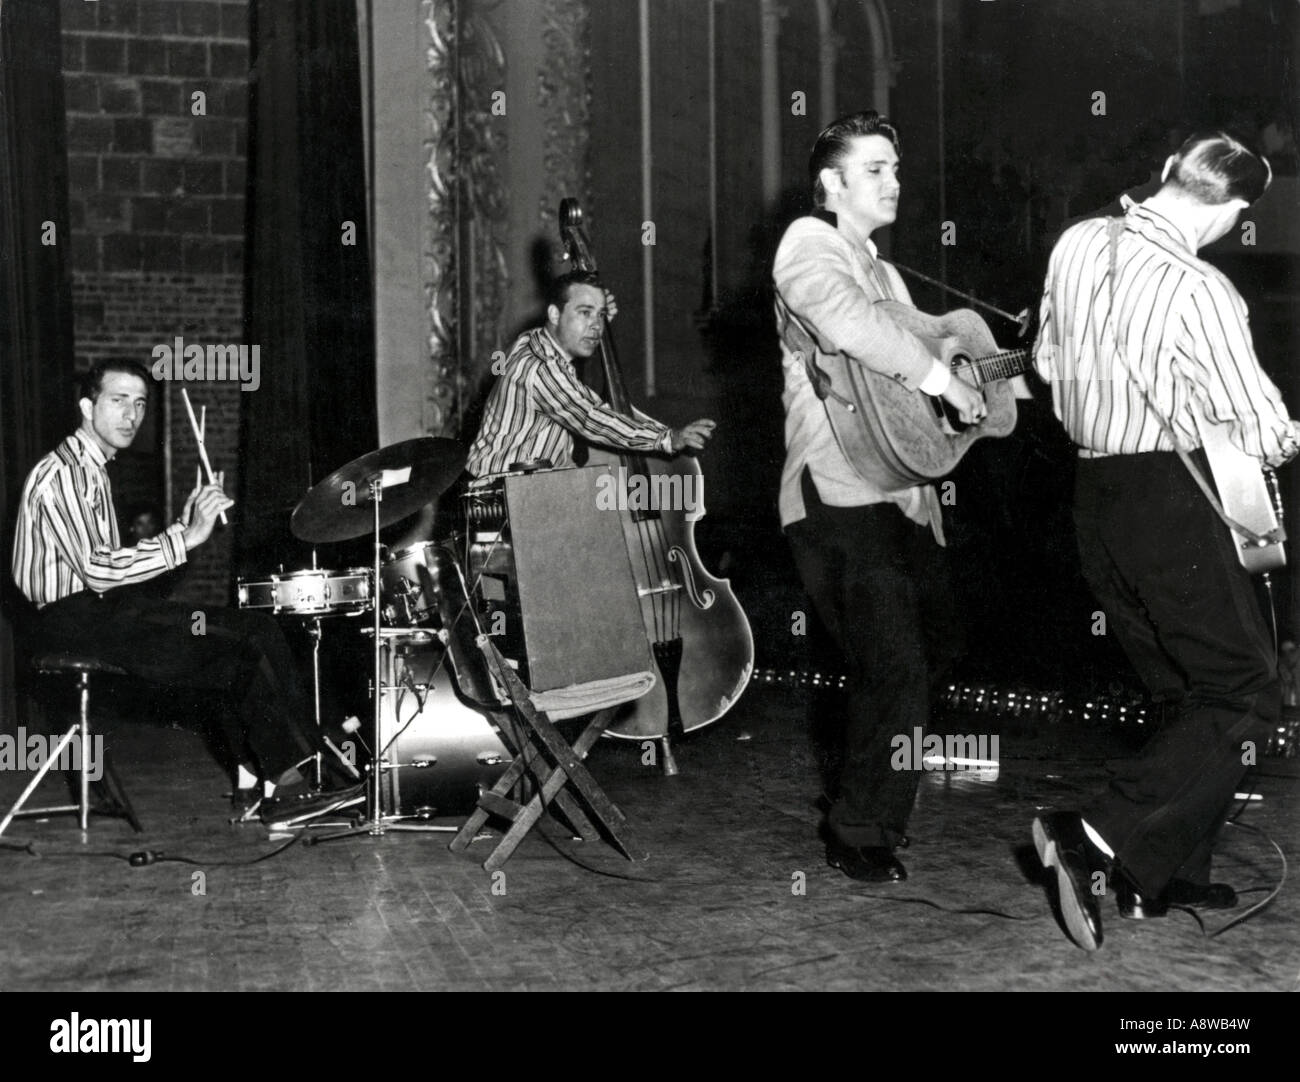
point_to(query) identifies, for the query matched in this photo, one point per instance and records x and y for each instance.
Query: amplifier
(555, 580)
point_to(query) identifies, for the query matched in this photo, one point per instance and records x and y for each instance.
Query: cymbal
(339, 507)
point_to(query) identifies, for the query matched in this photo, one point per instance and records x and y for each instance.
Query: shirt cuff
(938, 379)
(666, 443)
(173, 544)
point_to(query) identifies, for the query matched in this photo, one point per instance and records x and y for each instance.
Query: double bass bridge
(662, 588)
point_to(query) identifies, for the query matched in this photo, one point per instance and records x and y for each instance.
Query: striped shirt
(66, 537)
(537, 406)
(1185, 340)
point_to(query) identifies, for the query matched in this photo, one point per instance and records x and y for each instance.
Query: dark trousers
(238, 653)
(1163, 567)
(879, 582)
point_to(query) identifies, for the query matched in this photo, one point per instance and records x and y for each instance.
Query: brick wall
(157, 218)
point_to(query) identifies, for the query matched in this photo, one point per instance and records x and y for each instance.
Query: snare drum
(409, 581)
(313, 592)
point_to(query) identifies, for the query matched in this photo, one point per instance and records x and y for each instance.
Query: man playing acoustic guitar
(871, 560)
(1142, 344)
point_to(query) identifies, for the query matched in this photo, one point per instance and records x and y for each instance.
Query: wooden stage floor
(717, 905)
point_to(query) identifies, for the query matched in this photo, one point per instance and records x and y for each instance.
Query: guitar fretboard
(996, 366)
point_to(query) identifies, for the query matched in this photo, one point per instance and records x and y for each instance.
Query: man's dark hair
(557, 293)
(92, 380)
(835, 140)
(1216, 167)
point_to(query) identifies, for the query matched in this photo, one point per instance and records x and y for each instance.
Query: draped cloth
(36, 348)
(308, 293)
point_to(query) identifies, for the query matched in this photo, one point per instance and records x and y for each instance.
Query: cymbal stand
(377, 689)
(314, 633)
(377, 823)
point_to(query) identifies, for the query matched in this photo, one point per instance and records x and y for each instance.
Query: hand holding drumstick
(205, 503)
(202, 509)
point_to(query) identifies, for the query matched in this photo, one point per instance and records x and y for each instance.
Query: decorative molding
(483, 202)
(564, 96)
(464, 260)
(439, 259)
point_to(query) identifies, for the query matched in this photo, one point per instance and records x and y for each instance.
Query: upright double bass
(702, 644)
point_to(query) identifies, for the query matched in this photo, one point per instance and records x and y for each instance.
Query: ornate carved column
(483, 271)
(451, 182)
(439, 259)
(441, 231)
(564, 97)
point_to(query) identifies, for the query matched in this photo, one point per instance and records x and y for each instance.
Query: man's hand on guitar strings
(968, 402)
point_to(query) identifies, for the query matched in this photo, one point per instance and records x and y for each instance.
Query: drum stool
(115, 803)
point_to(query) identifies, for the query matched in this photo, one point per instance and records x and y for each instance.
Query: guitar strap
(1115, 226)
(802, 343)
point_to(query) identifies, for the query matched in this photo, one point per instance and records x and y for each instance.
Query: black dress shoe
(1136, 906)
(868, 863)
(1133, 904)
(1062, 844)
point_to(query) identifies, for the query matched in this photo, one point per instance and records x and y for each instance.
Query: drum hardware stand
(315, 632)
(378, 823)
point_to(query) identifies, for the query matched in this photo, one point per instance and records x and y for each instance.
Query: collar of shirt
(866, 244)
(840, 225)
(1154, 219)
(555, 351)
(87, 448)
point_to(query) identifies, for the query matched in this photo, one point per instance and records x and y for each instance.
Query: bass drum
(439, 754)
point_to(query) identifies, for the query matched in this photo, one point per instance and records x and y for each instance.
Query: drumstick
(203, 451)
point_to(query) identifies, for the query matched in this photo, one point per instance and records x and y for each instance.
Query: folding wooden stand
(557, 773)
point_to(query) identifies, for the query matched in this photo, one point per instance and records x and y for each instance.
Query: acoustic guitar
(894, 437)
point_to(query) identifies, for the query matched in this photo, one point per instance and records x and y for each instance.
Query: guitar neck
(996, 366)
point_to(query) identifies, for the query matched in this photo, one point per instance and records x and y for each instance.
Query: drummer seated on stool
(70, 563)
(539, 403)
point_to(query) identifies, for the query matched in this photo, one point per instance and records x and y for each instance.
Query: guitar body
(896, 438)
(1244, 492)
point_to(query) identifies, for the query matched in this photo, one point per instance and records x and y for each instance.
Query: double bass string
(653, 543)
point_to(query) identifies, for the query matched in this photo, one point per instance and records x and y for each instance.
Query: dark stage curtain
(308, 299)
(36, 361)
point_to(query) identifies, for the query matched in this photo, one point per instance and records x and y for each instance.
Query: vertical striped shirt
(537, 406)
(66, 538)
(1185, 340)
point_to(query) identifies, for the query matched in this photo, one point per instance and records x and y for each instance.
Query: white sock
(268, 789)
(1096, 838)
(244, 778)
